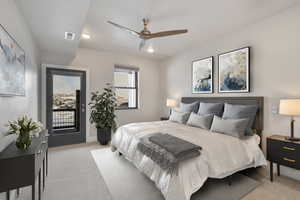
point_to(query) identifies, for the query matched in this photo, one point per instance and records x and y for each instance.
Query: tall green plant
(103, 107)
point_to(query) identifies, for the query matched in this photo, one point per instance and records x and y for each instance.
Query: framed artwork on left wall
(202, 76)
(12, 66)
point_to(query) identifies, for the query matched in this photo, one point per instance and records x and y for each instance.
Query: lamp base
(293, 139)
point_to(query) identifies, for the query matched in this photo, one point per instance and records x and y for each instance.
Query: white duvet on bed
(221, 156)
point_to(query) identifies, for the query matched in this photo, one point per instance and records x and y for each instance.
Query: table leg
(44, 174)
(271, 171)
(230, 180)
(7, 195)
(39, 184)
(18, 192)
(33, 191)
(278, 169)
(47, 163)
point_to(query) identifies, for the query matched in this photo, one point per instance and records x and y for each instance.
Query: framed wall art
(234, 71)
(12, 66)
(202, 76)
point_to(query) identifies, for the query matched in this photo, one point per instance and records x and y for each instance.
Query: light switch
(275, 109)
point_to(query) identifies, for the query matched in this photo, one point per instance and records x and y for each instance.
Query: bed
(221, 156)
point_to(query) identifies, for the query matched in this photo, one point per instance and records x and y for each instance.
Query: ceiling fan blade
(124, 28)
(142, 44)
(166, 33)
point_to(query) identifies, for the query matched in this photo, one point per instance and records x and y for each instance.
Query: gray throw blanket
(167, 157)
(176, 146)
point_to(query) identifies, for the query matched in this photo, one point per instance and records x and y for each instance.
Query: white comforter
(221, 156)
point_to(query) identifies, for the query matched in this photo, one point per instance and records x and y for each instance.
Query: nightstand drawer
(289, 162)
(284, 153)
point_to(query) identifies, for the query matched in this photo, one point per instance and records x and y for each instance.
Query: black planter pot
(104, 135)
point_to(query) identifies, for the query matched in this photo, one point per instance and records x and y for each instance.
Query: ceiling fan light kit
(145, 34)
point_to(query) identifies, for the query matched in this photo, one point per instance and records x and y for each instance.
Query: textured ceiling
(205, 20)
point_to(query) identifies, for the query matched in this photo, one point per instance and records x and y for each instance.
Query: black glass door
(66, 106)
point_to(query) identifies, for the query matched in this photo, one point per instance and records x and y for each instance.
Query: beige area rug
(125, 182)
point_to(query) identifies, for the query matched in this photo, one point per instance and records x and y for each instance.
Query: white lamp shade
(289, 107)
(171, 103)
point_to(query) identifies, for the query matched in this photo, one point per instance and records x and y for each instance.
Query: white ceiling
(50, 19)
(205, 20)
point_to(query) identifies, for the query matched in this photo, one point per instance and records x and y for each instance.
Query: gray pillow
(211, 109)
(189, 107)
(180, 117)
(201, 121)
(231, 127)
(232, 111)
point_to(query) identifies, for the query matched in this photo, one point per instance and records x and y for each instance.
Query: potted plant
(25, 128)
(103, 107)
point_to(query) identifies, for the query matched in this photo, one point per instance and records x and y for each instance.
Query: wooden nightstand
(164, 118)
(282, 152)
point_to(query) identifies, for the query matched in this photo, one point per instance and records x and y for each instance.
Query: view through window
(125, 82)
(66, 93)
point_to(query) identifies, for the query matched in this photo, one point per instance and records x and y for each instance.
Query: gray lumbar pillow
(232, 127)
(180, 117)
(189, 107)
(201, 121)
(232, 111)
(211, 109)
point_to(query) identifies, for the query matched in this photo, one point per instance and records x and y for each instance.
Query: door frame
(43, 100)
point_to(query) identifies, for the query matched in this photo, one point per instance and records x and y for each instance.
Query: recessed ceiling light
(69, 36)
(150, 50)
(86, 36)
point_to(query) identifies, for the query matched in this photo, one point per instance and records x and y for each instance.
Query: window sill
(127, 108)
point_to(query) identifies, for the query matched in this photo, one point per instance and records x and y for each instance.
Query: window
(126, 85)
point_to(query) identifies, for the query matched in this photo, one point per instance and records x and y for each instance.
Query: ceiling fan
(145, 34)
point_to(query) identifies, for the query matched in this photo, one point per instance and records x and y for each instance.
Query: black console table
(21, 168)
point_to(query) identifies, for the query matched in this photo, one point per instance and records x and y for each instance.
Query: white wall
(275, 67)
(12, 107)
(101, 68)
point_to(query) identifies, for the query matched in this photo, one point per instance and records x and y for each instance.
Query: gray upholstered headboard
(259, 119)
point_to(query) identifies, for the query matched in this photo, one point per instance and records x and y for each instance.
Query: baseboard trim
(91, 139)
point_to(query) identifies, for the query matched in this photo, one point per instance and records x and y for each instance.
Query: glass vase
(24, 141)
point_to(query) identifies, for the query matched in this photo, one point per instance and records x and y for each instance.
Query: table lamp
(290, 107)
(171, 103)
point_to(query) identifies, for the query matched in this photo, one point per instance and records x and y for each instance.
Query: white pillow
(180, 117)
(201, 121)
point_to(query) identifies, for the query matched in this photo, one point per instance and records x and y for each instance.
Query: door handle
(82, 107)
